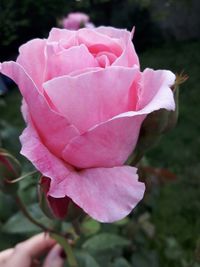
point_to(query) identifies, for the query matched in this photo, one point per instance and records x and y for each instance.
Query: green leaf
(8, 241)
(10, 137)
(90, 226)
(173, 250)
(145, 258)
(27, 189)
(105, 241)
(85, 259)
(122, 222)
(8, 202)
(18, 223)
(121, 262)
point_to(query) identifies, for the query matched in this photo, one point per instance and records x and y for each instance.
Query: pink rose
(85, 99)
(76, 20)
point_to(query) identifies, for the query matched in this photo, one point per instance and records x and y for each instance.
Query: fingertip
(35, 246)
(5, 255)
(54, 257)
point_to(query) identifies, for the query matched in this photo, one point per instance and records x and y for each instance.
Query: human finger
(25, 252)
(54, 258)
(5, 255)
(36, 245)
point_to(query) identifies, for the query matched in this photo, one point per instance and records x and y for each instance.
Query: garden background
(163, 231)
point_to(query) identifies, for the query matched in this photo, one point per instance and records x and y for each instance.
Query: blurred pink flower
(77, 20)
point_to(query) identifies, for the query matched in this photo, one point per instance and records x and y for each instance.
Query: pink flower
(77, 20)
(85, 99)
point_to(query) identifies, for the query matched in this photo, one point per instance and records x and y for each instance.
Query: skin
(28, 253)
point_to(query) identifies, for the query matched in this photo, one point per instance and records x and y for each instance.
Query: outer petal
(122, 34)
(106, 194)
(106, 145)
(69, 60)
(65, 38)
(32, 59)
(57, 35)
(48, 164)
(155, 85)
(111, 142)
(54, 129)
(91, 98)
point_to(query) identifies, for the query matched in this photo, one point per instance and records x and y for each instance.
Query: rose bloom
(76, 20)
(84, 100)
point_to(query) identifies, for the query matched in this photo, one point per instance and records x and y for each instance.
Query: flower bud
(9, 170)
(157, 123)
(57, 208)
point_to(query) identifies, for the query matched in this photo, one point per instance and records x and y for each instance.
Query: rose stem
(71, 259)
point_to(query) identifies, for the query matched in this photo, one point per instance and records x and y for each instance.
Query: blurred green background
(163, 231)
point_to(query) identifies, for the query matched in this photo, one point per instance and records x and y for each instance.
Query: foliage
(23, 20)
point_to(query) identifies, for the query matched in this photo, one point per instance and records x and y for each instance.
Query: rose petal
(155, 86)
(109, 58)
(106, 194)
(81, 72)
(54, 129)
(97, 42)
(48, 164)
(27, 59)
(92, 97)
(129, 57)
(66, 61)
(57, 34)
(111, 142)
(115, 33)
(106, 145)
(103, 61)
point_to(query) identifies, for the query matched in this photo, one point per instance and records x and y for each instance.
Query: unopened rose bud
(154, 126)
(157, 123)
(9, 171)
(60, 208)
(172, 115)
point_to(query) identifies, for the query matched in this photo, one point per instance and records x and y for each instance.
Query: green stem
(28, 216)
(67, 248)
(76, 227)
(21, 177)
(70, 256)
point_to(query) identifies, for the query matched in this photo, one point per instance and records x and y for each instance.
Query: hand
(27, 253)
